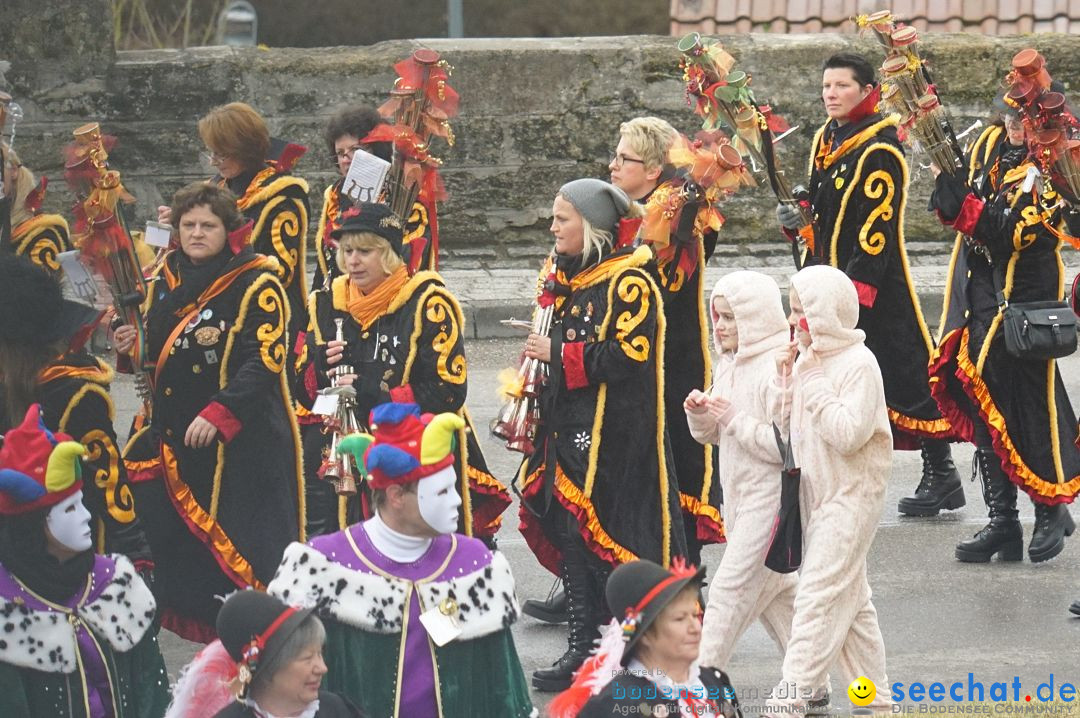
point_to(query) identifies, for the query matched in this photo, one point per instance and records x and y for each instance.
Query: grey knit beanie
(601, 203)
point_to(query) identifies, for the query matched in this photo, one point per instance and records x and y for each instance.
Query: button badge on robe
(207, 336)
(441, 622)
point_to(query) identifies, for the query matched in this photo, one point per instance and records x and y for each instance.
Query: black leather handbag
(1039, 330)
(785, 547)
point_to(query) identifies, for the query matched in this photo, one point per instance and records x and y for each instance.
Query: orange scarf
(366, 308)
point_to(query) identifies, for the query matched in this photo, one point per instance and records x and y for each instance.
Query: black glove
(948, 196)
(370, 390)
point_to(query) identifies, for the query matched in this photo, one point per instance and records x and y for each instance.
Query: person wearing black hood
(80, 640)
(1016, 411)
(600, 489)
(857, 197)
(223, 438)
(44, 362)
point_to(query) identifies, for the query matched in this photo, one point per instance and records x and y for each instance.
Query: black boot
(583, 629)
(550, 610)
(1075, 608)
(940, 486)
(1052, 525)
(1003, 535)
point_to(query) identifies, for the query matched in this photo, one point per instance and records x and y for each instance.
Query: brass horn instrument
(337, 466)
(908, 91)
(519, 418)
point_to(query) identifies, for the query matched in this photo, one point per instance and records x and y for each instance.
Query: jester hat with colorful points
(38, 468)
(404, 446)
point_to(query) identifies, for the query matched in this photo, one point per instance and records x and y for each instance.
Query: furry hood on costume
(759, 312)
(831, 305)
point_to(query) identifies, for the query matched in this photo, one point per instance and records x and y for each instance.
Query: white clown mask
(69, 523)
(439, 501)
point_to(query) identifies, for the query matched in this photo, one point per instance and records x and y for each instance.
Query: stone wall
(534, 114)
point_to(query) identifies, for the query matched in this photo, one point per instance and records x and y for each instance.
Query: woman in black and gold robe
(403, 337)
(37, 235)
(227, 496)
(599, 490)
(1015, 411)
(858, 196)
(256, 169)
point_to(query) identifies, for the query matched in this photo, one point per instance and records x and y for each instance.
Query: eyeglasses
(620, 159)
(212, 158)
(346, 155)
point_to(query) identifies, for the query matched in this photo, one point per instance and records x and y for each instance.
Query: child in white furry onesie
(843, 444)
(749, 326)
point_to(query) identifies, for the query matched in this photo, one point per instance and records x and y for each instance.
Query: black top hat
(638, 591)
(375, 218)
(253, 626)
(34, 309)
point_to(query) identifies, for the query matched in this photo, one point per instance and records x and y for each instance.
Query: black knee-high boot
(1003, 535)
(583, 608)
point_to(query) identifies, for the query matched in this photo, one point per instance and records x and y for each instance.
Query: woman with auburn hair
(256, 168)
(218, 474)
(403, 338)
(34, 234)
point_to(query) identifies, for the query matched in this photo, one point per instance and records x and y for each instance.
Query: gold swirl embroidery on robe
(633, 290)
(418, 219)
(450, 370)
(286, 225)
(877, 183)
(43, 253)
(677, 282)
(119, 501)
(271, 349)
(1030, 216)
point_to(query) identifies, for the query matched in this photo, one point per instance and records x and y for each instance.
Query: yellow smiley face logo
(862, 691)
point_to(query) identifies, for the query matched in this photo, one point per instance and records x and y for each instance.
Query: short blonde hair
(388, 258)
(236, 131)
(650, 137)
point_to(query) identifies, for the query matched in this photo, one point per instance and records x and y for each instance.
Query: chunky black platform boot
(1003, 535)
(550, 610)
(940, 487)
(1052, 525)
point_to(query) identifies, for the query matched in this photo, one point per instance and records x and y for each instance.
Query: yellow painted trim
(954, 256)
(984, 350)
(1055, 439)
(321, 230)
(269, 190)
(703, 332)
(814, 147)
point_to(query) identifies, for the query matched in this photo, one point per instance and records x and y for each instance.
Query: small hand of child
(718, 406)
(785, 358)
(696, 402)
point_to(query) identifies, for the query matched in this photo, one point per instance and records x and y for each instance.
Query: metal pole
(455, 19)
